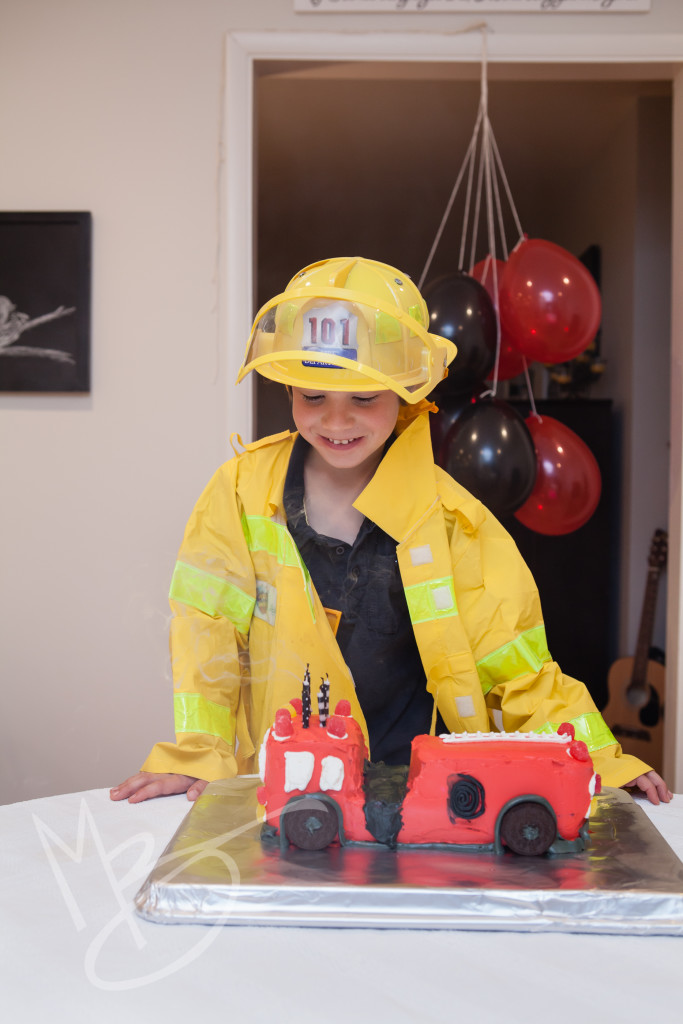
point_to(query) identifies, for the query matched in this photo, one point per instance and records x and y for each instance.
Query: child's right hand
(146, 785)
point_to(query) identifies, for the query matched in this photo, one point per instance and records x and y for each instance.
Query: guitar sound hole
(650, 714)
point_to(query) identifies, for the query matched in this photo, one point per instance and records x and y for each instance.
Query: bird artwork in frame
(45, 268)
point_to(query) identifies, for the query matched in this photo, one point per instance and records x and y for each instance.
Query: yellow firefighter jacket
(247, 619)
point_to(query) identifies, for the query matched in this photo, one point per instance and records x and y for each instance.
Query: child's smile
(345, 428)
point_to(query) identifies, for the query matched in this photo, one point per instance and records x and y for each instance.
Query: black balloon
(440, 423)
(489, 450)
(461, 310)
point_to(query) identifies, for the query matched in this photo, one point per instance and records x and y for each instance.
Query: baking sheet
(216, 870)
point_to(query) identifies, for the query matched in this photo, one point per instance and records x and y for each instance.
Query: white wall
(114, 107)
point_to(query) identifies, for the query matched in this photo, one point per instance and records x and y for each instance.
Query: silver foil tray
(215, 870)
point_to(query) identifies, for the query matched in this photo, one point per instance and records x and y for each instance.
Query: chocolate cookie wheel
(528, 828)
(309, 823)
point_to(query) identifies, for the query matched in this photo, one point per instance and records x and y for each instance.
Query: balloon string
(468, 157)
(468, 199)
(483, 163)
(475, 219)
(484, 68)
(487, 183)
(488, 172)
(511, 201)
(490, 176)
(479, 26)
(499, 214)
(529, 389)
(487, 186)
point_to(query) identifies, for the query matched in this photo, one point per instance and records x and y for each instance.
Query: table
(72, 948)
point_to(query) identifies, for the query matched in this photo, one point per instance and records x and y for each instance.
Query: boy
(345, 548)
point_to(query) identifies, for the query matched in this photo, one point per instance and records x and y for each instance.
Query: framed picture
(45, 261)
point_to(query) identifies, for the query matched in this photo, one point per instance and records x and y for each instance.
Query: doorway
(338, 140)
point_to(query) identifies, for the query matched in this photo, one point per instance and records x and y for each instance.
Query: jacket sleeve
(212, 599)
(524, 689)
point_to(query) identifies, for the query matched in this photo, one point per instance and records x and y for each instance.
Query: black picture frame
(45, 273)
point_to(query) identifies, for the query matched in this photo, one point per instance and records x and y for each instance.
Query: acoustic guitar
(635, 685)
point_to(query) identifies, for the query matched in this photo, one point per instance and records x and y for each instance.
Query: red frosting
(283, 724)
(336, 726)
(458, 788)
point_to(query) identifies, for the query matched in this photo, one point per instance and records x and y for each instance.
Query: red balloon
(483, 272)
(510, 359)
(550, 305)
(568, 482)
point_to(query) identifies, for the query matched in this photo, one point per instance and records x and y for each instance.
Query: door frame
(237, 237)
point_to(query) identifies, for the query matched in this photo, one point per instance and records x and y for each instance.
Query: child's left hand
(653, 786)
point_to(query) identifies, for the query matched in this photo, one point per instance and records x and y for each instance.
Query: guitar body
(637, 718)
(635, 685)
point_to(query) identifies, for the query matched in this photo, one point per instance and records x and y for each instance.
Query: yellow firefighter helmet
(349, 324)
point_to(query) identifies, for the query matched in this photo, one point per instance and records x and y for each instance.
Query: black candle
(324, 700)
(306, 699)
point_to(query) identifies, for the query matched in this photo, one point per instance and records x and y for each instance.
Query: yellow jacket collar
(404, 488)
(407, 484)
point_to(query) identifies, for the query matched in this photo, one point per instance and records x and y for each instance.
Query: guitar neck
(646, 630)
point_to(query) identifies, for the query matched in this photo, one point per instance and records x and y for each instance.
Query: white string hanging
(483, 156)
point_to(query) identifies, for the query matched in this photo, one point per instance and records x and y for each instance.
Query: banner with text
(471, 6)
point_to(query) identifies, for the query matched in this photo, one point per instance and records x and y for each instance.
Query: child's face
(345, 428)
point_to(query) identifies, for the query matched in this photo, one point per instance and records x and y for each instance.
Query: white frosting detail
(592, 784)
(331, 773)
(465, 706)
(422, 555)
(262, 757)
(443, 599)
(478, 737)
(299, 765)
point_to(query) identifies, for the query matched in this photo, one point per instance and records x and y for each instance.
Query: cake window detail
(331, 773)
(299, 765)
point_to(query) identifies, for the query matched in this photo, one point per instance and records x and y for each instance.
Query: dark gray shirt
(375, 635)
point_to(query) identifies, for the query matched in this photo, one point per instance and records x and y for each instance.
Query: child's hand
(653, 786)
(146, 785)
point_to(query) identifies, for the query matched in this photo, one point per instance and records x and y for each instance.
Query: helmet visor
(334, 344)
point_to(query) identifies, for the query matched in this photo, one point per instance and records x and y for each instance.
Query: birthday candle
(324, 700)
(306, 699)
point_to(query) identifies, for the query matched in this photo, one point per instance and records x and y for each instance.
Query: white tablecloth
(72, 948)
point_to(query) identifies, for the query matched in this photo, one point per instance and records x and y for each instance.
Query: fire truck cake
(527, 793)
